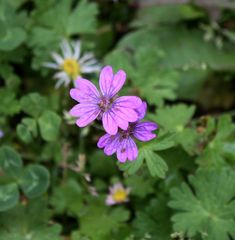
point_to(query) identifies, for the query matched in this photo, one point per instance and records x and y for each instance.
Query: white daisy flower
(71, 64)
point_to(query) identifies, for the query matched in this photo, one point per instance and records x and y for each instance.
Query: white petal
(89, 62)
(90, 69)
(66, 49)
(62, 79)
(60, 75)
(61, 82)
(77, 49)
(86, 57)
(59, 60)
(50, 65)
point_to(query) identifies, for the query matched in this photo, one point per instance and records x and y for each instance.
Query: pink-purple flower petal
(127, 114)
(110, 83)
(148, 126)
(109, 123)
(103, 141)
(105, 81)
(85, 91)
(127, 150)
(132, 150)
(83, 109)
(86, 119)
(118, 82)
(143, 131)
(112, 146)
(122, 153)
(110, 201)
(141, 111)
(122, 123)
(128, 102)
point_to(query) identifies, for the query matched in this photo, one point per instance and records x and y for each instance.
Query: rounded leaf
(49, 124)
(9, 196)
(27, 129)
(10, 161)
(34, 181)
(33, 104)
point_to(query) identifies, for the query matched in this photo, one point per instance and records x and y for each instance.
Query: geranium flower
(71, 64)
(106, 105)
(117, 194)
(123, 143)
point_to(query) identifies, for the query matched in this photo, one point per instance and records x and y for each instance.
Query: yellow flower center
(71, 67)
(120, 195)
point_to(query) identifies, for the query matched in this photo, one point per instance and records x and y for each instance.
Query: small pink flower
(123, 143)
(117, 194)
(104, 104)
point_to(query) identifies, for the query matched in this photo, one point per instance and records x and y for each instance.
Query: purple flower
(1, 134)
(114, 111)
(123, 143)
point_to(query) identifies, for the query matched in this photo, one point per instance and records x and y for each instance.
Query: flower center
(71, 67)
(126, 133)
(105, 104)
(120, 195)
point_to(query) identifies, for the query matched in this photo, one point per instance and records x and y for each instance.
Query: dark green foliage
(207, 209)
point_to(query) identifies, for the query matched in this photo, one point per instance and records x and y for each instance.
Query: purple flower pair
(120, 115)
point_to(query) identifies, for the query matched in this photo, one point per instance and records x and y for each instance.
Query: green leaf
(83, 18)
(98, 222)
(174, 118)
(64, 196)
(9, 196)
(169, 13)
(30, 221)
(12, 38)
(10, 161)
(155, 86)
(9, 105)
(206, 206)
(220, 134)
(156, 165)
(33, 104)
(49, 125)
(27, 129)
(141, 185)
(132, 167)
(120, 59)
(188, 139)
(207, 56)
(12, 81)
(153, 220)
(163, 142)
(225, 127)
(229, 150)
(77, 19)
(11, 25)
(34, 181)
